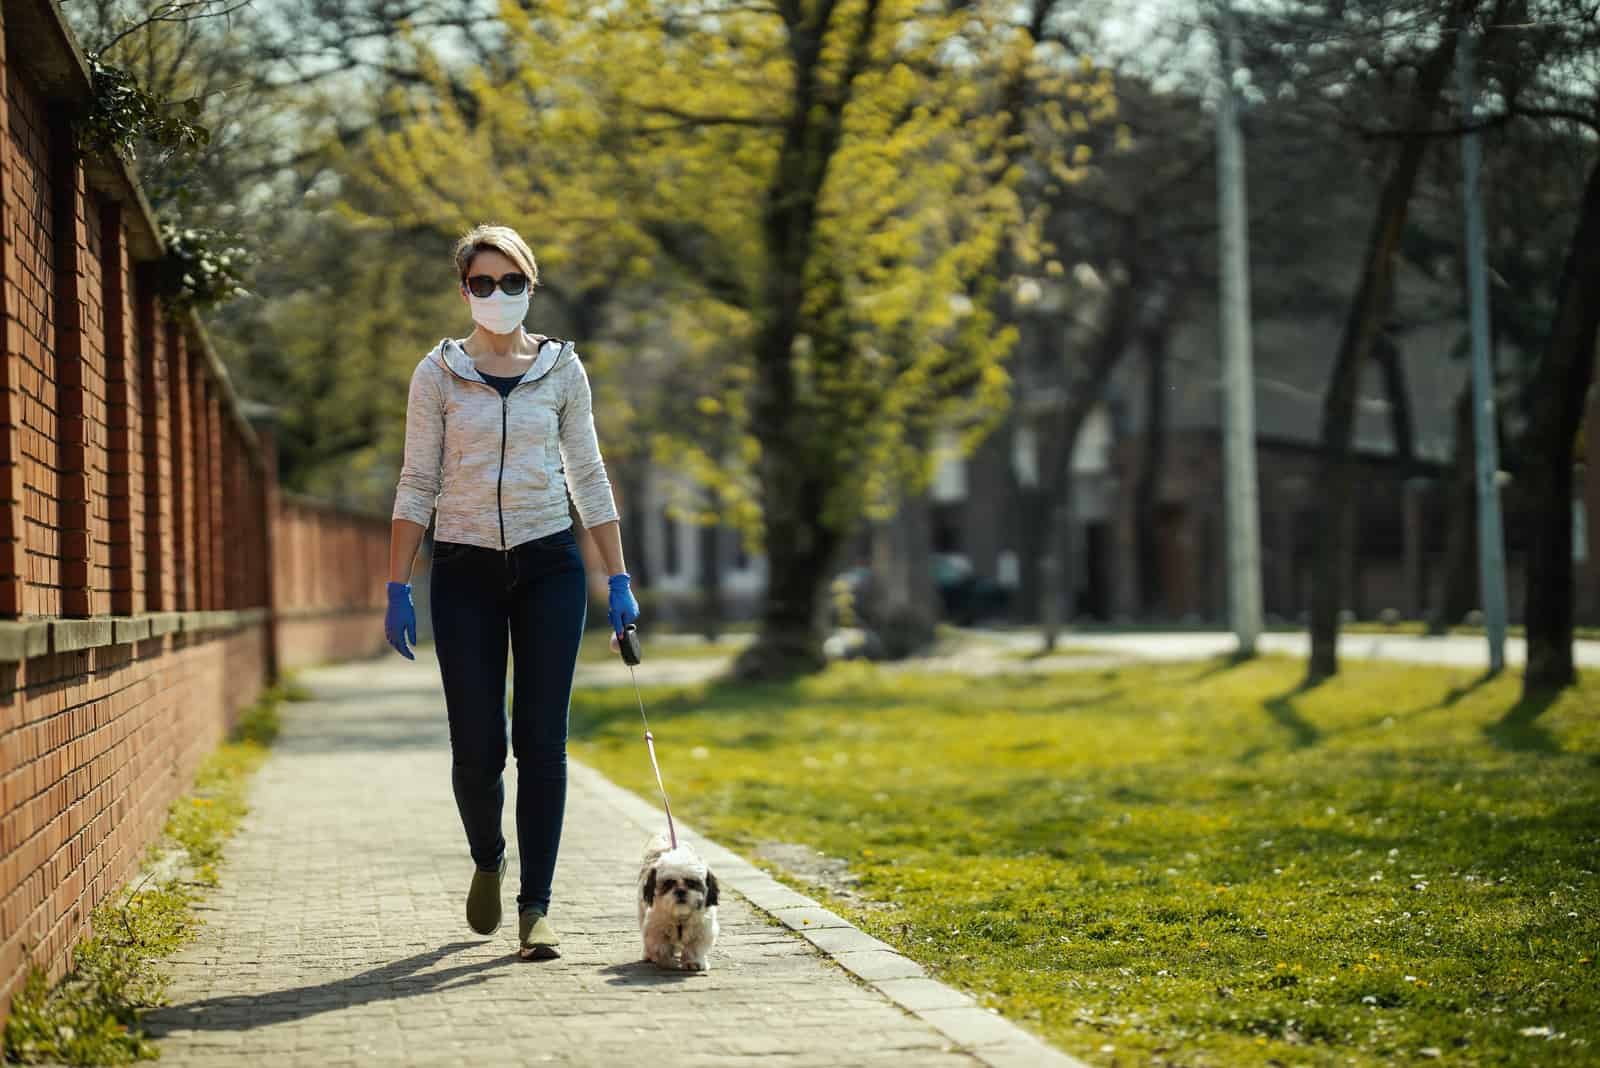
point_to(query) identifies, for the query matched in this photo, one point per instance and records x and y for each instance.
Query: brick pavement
(337, 936)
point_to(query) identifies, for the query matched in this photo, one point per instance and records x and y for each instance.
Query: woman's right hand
(400, 620)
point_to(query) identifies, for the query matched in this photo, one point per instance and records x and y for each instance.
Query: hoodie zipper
(500, 476)
(505, 415)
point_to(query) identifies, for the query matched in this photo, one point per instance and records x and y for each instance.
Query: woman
(493, 424)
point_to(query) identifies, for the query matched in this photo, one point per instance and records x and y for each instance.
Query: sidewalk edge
(990, 1038)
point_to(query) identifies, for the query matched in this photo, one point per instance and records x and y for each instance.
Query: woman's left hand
(623, 608)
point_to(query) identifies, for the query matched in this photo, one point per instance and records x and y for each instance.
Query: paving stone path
(337, 936)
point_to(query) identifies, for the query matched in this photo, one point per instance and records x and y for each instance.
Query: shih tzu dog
(677, 906)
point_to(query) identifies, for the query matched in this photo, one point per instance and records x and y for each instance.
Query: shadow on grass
(1221, 664)
(388, 982)
(1458, 693)
(596, 713)
(1302, 732)
(1517, 729)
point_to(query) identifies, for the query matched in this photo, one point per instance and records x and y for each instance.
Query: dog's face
(680, 882)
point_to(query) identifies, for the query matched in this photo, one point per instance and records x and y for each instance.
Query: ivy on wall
(201, 267)
(121, 114)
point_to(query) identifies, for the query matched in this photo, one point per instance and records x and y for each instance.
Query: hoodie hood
(553, 353)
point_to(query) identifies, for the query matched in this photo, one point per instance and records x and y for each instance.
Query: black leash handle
(628, 643)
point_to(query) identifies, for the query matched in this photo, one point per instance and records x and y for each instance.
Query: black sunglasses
(511, 284)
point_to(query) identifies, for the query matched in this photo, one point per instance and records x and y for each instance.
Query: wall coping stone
(297, 614)
(74, 635)
(24, 639)
(161, 622)
(128, 629)
(21, 639)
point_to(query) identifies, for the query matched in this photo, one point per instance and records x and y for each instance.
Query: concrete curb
(986, 1036)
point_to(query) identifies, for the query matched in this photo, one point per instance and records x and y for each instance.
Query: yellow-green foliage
(1190, 864)
(638, 145)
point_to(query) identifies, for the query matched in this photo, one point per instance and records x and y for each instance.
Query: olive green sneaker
(483, 899)
(537, 939)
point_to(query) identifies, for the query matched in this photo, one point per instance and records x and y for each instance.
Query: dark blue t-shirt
(504, 384)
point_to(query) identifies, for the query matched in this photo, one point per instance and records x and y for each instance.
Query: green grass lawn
(1189, 864)
(596, 647)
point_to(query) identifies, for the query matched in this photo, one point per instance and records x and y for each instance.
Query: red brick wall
(30, 346)
(80, 378)
(97, 744)
(18, 316)
(181, 486)
(1194, 576)
(128, 486)
(330, 585)
(156, 393)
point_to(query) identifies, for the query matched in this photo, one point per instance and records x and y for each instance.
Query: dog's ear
(711, 888)
(650, 887)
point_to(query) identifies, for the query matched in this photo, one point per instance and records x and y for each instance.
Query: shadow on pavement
(388, 982)
(644, 973)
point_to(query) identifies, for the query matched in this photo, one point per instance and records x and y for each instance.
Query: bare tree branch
(174, 12)
(689, 119)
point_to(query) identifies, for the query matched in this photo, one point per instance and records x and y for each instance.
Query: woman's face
(492, 263)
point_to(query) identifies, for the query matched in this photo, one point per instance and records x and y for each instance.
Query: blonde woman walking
(498, 429)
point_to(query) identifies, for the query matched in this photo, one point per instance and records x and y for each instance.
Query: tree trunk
(1561, 389)
(1059, 441)
(1401, 423)
(983, 521)
(1152, 465)
(1335, 471)
(710, 581)
(797, 481)
(1456, 583)
(629, 476)
(802, 553)
(1033, 519)
(1056, 568)
(907, 605)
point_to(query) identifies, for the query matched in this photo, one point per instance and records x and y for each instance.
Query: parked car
(967, 598)
(964, 597)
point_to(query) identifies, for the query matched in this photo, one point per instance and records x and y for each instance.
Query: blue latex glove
(624, 609)
(400, 621)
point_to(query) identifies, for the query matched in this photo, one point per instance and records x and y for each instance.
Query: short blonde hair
(501, 239)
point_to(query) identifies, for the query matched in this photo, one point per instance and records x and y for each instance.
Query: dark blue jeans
(533, 597)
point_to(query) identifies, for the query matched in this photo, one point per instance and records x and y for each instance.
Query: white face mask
(499, 313)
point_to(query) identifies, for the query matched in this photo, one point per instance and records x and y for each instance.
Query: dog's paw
(695, 966)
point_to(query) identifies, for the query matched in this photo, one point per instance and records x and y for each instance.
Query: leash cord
(650, 743)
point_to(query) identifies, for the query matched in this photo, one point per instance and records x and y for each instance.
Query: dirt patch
(818, 869)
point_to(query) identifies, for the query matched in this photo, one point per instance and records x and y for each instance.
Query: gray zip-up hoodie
(494, 465)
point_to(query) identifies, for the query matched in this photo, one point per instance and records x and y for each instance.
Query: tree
(824, 181)
(1560, 391)
(1363, 327)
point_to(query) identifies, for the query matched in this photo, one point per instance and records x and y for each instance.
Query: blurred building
(1400, 529)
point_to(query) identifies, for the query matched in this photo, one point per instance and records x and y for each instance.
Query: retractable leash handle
(628, 643)
(628, 646)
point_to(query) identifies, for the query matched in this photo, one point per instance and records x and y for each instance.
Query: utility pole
(1238, 376)
(1491, 545)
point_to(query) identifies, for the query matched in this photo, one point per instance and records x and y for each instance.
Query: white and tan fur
(677, 906)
